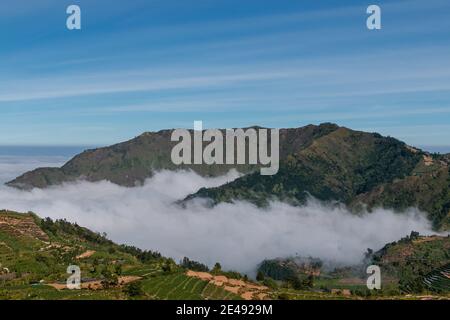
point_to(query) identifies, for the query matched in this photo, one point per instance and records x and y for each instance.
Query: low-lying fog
(239, 235)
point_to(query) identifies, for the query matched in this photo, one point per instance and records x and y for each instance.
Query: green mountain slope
(352, 167)
(35, 249)
(438, 279)
(428, 188)
(35, 254)
(414, 260)
(337, 166)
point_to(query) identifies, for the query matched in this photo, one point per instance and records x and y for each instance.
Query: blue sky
(147, 65)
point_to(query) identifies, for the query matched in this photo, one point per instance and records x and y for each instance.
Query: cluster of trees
(267, 281)
(193, 265)
(143, 255)
(217, 270)
(109, 278)
(301, 282)
(287, 269)
(169, 266)
(63, 226)
(276, 269)
(389, 159)
(289, 272)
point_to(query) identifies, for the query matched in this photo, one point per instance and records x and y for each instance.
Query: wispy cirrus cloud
(122, 83)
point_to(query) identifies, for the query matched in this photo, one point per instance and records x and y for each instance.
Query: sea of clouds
(238, 235)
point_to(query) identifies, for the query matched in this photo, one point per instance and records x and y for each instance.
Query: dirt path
(247, 290)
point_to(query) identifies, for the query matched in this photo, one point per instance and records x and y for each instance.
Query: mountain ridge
(361, 170)
(129, 163)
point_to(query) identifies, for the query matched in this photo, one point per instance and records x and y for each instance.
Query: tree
(260, 276)
(193, 265)
(269, 282)
(414, 235)
(296, 283)
(217, 268)
(118, 269)
(109, 279)
(301, 283)
(168, 266)
(308, 282)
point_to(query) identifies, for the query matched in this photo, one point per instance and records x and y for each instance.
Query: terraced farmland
(145, 271)
(439, 279)
(178, 286)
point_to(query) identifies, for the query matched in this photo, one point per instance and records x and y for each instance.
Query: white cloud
(237, 235)
(123, 82)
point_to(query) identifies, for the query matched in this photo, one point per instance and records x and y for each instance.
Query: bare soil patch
(247, 290)
(86, 254)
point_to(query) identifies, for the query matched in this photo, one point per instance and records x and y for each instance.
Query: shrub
(134, 289)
